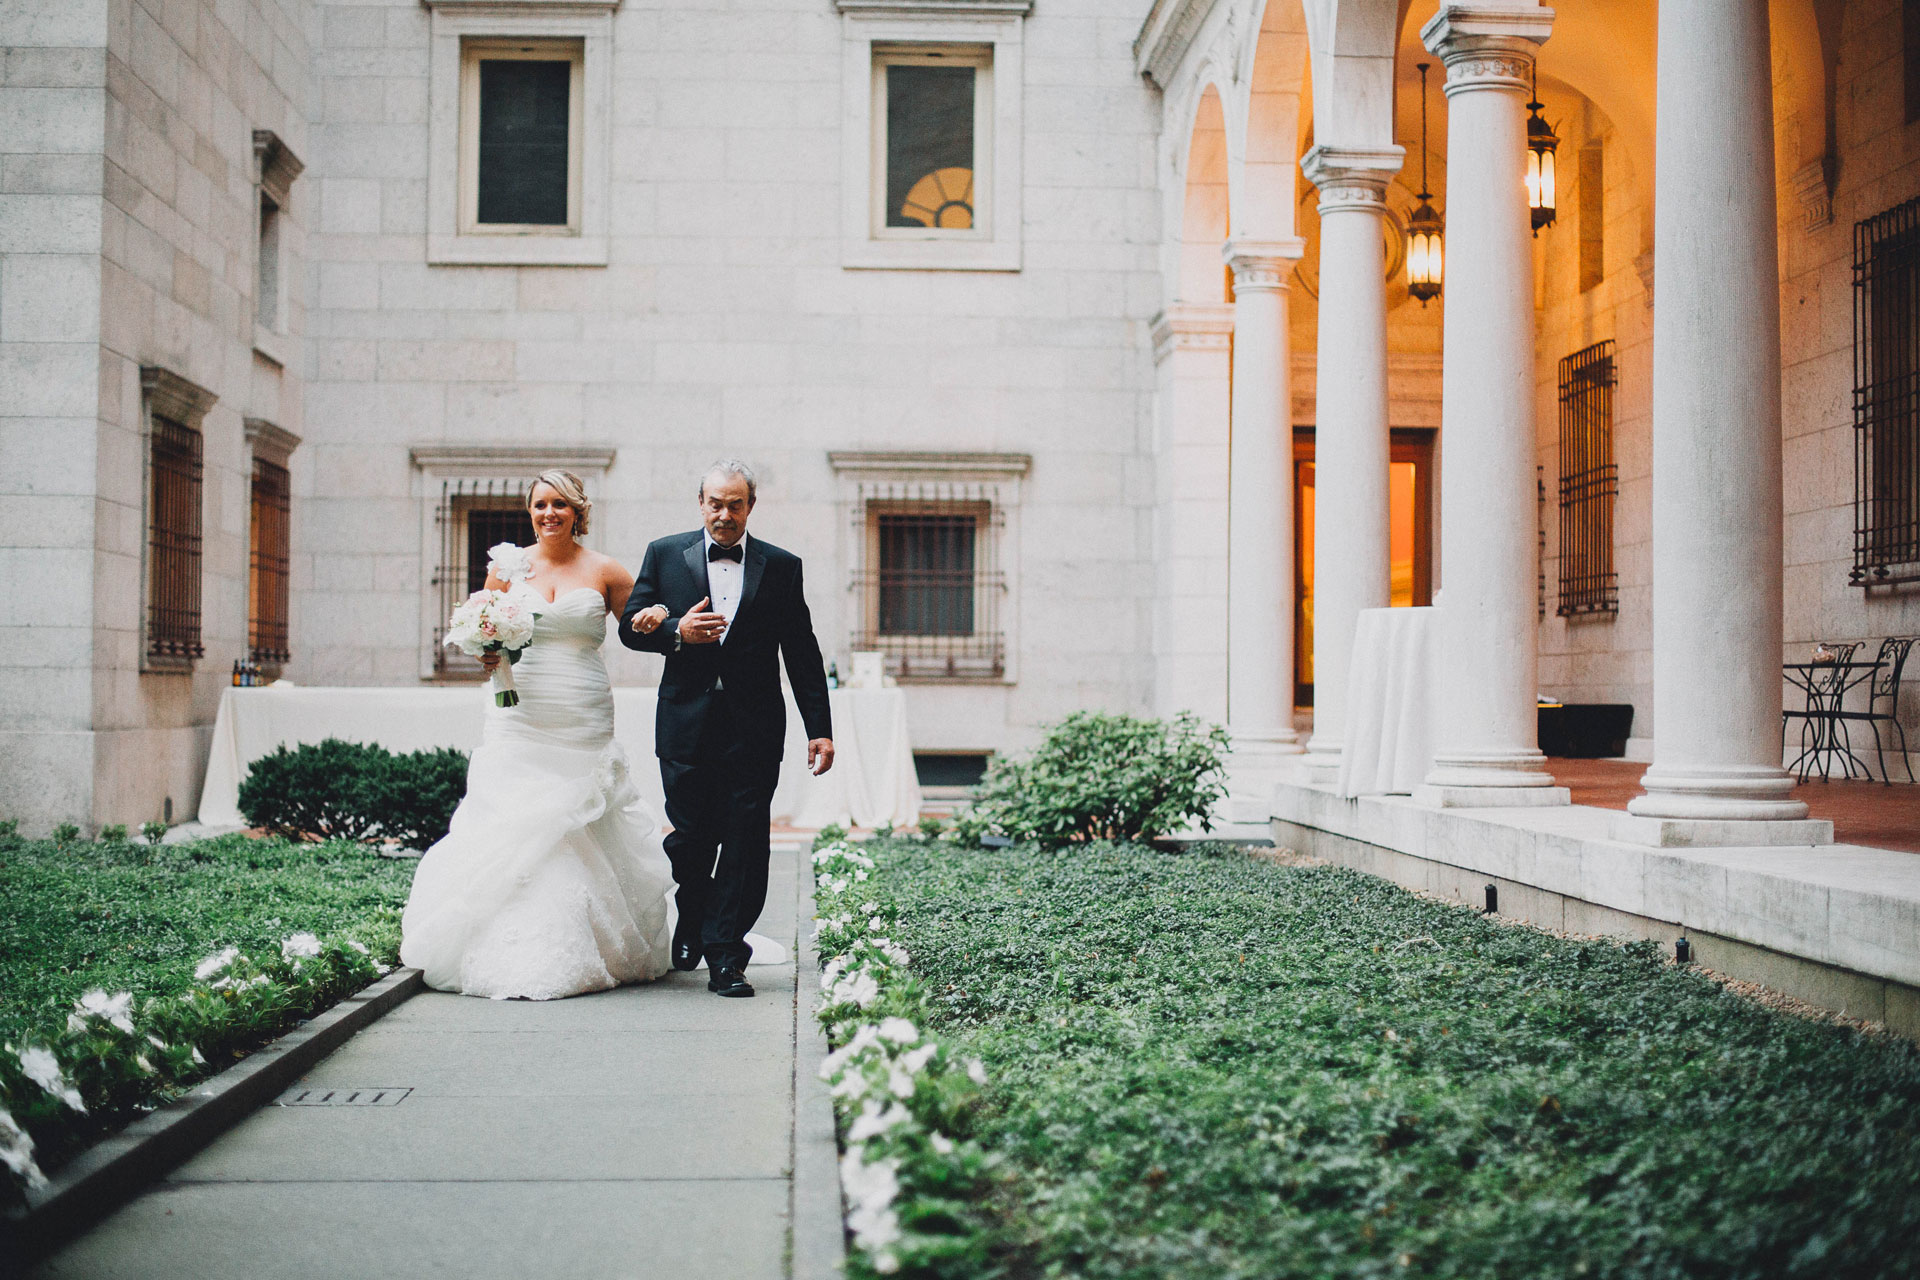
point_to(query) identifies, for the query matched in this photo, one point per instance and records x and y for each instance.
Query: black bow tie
(717, 552)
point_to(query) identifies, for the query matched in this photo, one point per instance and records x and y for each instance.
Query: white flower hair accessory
(508, 563)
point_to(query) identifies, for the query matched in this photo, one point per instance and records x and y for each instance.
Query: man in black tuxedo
(723, 608)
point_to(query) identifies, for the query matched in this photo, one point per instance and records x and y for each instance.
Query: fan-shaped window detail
(944, 199)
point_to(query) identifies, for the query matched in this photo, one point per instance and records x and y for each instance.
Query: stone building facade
(258, 221)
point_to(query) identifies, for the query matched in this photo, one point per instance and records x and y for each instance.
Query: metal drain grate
(363, 1097)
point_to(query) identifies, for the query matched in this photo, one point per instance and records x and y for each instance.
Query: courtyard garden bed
(128, 971)
(1214, 1065)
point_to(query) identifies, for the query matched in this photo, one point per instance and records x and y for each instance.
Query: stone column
(1351, 544)
(1716, 775)
(1487, 724)
(1260, 526)
(1191, 342)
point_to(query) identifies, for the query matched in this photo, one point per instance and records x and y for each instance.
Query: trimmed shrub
(336, 790)
(1104, 777)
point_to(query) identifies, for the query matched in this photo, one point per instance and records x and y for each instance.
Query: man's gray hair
(730, 467)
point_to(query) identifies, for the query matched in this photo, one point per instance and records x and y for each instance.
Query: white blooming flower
(852, 1086)
(876, 924)
(301, 946)
(156, 1041)
(869, 907)
(940, 1142)
(44, 1070)
(382, 968)
(976, 1072)
(898, 1030)
(915, 1060)
(140, 1061)
(215, 963)
(114, 1008)
(16, 1151)
(899, 1083)
(859, 875)
(361, 947)
(871, 1190)
(856, 989)
(872, 1122)
(886, 1262)
(509, 563)
(198, 1059)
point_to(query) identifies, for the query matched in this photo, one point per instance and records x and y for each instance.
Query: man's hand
(648, 620)
(819, 755)
(700, 625)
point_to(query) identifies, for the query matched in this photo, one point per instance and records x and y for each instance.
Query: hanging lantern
(1425, 256)
(1541, 141)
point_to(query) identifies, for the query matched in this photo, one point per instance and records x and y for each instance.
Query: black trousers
(720, 806)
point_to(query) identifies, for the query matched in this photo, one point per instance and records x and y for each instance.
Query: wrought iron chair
(1824, 688)
(1883, 703)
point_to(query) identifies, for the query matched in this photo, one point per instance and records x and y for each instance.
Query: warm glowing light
(942, 199)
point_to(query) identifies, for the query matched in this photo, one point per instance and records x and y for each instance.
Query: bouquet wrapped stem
(501, 682)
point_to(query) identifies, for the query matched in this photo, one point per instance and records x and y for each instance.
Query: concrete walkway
(645, 1132)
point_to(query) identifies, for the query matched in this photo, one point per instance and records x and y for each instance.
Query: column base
(1455, 797)
(1708, 833)
(1492, 770)
(1259, 760)
(1319, 767)
(1718, 793)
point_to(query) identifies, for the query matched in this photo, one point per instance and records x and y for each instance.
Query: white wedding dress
(551, 880)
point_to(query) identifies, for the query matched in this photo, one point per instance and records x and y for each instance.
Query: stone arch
(1276, 64)
(1206, 205)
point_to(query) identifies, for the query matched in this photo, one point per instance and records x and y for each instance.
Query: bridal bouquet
(493, 622)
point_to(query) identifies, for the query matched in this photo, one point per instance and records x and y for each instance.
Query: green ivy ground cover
(127, 917)
(1210, 1065)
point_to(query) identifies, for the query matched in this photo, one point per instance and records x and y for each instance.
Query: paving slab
(642, 1132)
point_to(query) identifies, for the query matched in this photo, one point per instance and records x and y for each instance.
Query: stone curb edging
(107, 1174)
(819, 1214)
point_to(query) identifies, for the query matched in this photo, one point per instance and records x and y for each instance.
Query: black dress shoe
(686, 947)
(729, 982)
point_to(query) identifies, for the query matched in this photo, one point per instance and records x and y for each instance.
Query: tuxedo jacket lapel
(753, 568)
(696, 558)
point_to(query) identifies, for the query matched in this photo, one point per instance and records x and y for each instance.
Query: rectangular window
(932, 117)
(472, 516)
(269, 554)
(1589, 481)
(521, 134)
(1886, 397)
(1910, 62)
(266, 291)
(173, 542)
(930, 590)
(1593, 216)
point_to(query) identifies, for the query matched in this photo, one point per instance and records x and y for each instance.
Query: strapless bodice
(577, 616)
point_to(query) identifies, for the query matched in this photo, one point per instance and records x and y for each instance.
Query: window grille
(1589, 482)
(269, 555)
(929, 587)
(173, 542)
(1886, 398)
(472, 516)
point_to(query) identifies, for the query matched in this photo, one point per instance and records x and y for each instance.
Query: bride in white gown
(551, 880)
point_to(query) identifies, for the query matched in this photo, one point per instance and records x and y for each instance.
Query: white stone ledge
(1847, 906)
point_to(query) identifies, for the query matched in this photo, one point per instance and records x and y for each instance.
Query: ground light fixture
(1541, 141)
(1425, 231)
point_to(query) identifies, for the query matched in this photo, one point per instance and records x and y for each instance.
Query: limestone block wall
(53, 97)
(127, 239)
(187, 86)
(725, 323)
(1877, 166)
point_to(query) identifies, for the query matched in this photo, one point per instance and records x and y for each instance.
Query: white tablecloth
(1389, 703)
(872, 781)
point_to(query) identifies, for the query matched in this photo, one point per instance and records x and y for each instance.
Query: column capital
(1206, 326)
(1352, 177)
(1262, 264)
(1487, 46)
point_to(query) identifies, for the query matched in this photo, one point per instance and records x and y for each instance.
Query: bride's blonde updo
(571, 490)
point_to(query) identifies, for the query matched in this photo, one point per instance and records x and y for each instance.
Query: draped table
(872, 781)
(1389, 746)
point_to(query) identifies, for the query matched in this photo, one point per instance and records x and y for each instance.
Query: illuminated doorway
(1410, 537)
